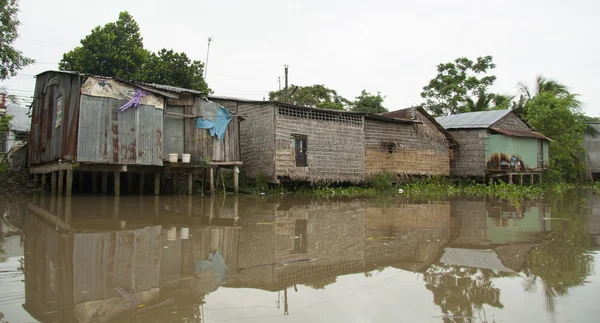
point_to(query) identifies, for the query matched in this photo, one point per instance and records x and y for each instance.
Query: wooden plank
(44, 169)
(183, 115)
(99, 168)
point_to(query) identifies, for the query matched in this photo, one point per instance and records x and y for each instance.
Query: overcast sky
(387, 46)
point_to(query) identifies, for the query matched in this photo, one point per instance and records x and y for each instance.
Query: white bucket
(185, 158)
(184, 234)
(172, 234)
(173, 158)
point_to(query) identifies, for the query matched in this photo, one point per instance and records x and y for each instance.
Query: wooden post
(236, 179)
(69, 182)
(156, 204)
(94, 182)
(61, 181)
(211, 181)
(117, 180)
(104, 183)
(491, 181)
(53, 182)
(174, 184)
(211, 209)
(236, 215)
(44, 177)
(190, 206)
(59, 206)
(36, 179)
(156, 183)
(142, 182)
(522, 183)
(190, 183)
(540, 178)
(52, 209)
(510, 178)
(531, 178)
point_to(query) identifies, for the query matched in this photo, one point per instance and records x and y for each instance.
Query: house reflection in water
(144, 264)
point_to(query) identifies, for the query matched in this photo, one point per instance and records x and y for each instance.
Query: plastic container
(172, 234)
(173, 158)
(184, 234)
(185, 158)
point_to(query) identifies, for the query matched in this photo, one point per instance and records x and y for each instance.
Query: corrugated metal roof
(21, 120)
(170, 88)
(481, 119)
(516, 133)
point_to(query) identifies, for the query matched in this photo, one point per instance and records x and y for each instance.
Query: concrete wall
(405, 149)
(335, 145)
(469, 156)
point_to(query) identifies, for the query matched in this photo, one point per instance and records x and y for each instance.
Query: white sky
(387, 46)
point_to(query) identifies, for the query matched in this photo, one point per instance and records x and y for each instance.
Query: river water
(290, 259)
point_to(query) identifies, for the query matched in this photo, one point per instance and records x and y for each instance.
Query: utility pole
(207, 52)
(286, 83)
(279, 80)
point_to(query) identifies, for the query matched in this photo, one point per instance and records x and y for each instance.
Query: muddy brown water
(290, 259)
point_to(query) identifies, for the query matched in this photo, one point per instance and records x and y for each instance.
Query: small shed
(91, 124)
(591, 143)
(495, 143)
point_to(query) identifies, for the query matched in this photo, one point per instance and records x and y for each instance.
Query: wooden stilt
(104, 183)
(211, 180)
(521, 180)
(94, 182)
(156, 204)
(61, 181)
(117, 183)
(211, 209)
(142, 182)
(44, 177)
(190, 183)
(540, 178)
(59, 206)
(69, 190)
(156, 183)
(491, 181)
(174, 187)
(235, 209)
(53, 182)
(236, 179)
(36, 179)
(531, 176)
(190, 204)
(510, 178)
(52, 205)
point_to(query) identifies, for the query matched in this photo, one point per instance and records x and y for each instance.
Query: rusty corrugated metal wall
(50, 140)
(109, 136)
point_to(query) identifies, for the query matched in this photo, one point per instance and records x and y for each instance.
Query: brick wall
(257, 142)
(335, 149)
(415, 149)
(469, 156)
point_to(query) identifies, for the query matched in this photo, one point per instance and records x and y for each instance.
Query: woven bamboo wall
(469, 157)
(335, 144)
(405, 149)
(511, 122)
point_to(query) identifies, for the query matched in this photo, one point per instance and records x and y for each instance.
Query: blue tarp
(218, 126)
(217, 263)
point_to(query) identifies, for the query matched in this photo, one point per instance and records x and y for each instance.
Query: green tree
(488, 101)
(551, 109)
(5, 123)
(169, 67)
(116, 50)
(12, 59)
(457, 82)
(370, 103)
(314, 96)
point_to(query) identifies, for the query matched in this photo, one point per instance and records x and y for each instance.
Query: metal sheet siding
(48, 142)
(109, 136)
(481, 119)
(525, 149)
(174, 138)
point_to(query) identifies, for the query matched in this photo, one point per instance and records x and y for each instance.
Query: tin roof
(21, 120)
(480, 119)
(516, 133)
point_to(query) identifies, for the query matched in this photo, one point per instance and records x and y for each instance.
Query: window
(300, 150)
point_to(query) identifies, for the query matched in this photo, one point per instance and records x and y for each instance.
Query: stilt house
(495, 144)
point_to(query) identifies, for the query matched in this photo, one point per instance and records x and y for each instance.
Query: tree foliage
(5, 123)
(315, 96)
(458, 83)
(12, 59)
(552, 110)
(117, 50)
(169, 67)
(370, 103)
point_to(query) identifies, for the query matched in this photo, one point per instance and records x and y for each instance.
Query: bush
(383, 182)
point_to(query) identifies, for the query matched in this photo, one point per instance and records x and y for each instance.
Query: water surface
(230, 259)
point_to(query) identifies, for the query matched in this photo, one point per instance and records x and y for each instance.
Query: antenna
(206, 63)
